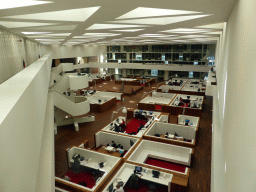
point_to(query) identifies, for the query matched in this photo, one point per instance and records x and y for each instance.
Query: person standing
(134, 183)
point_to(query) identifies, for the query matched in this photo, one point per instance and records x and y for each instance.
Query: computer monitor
(111, 187)
(150, 112)
(141, 110)
(131, 142)
(138, 169)
(186, 121)
(155, 173)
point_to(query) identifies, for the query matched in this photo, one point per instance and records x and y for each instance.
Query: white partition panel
(78, 82)
(107, 138)
(188, 132)
(167, 152)
(23, 101)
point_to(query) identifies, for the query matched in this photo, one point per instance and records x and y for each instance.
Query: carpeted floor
(133, 125)
(166, 164)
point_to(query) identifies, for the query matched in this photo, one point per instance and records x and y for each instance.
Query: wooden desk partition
(175, 110)
(107, 78)
(99, 108)
(130, 113)
(147, 106)
(186, 92)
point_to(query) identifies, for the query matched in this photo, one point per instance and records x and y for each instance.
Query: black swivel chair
(152, 188)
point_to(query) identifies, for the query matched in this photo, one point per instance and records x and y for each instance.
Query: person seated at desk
(122, 125)
(119, 188)
(65, 177)
(140, 127)
(113, 144)
(134, 183)
(117, 128)
(76, 165)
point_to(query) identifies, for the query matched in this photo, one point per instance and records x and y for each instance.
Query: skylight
(161, 20)
(128, 30)
(112, 26)
(187, 30)
(14, 24)
(9, 4)
(153, 12)
(66, 15)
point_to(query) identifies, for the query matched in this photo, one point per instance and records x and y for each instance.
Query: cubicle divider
(104, 138)
(173, 110)
(187, 132)
(186, 92)
(179, 181)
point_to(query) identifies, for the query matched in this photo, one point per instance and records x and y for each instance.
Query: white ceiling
(116, 22)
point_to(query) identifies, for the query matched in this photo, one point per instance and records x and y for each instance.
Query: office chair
(152, 188)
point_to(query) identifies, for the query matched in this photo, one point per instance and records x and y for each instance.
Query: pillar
(166, 75)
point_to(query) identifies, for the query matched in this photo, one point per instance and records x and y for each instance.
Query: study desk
(126, 171)
(93, 165)
(114, 153)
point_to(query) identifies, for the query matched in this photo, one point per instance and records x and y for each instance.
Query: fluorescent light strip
(79, 15)
(100, 34)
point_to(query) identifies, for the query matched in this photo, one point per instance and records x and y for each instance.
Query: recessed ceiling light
(212, 26)
(161, 20)
(59, 27)
(186, 30)
(112, 26)
(22, 3)
(128, 30)
(66, 15)
(14, 24)
(153, 12)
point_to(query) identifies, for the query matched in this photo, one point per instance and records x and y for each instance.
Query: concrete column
(124, 72)
(166, 75)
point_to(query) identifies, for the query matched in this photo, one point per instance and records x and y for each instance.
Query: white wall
(234, 129)
(23, 101)
(71, 51)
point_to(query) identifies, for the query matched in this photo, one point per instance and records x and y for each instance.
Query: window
(154, 72)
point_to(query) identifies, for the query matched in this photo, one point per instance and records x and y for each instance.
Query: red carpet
(133, 125)
(166, 164)
(184, 105)
(85, 177)
(158, 107)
